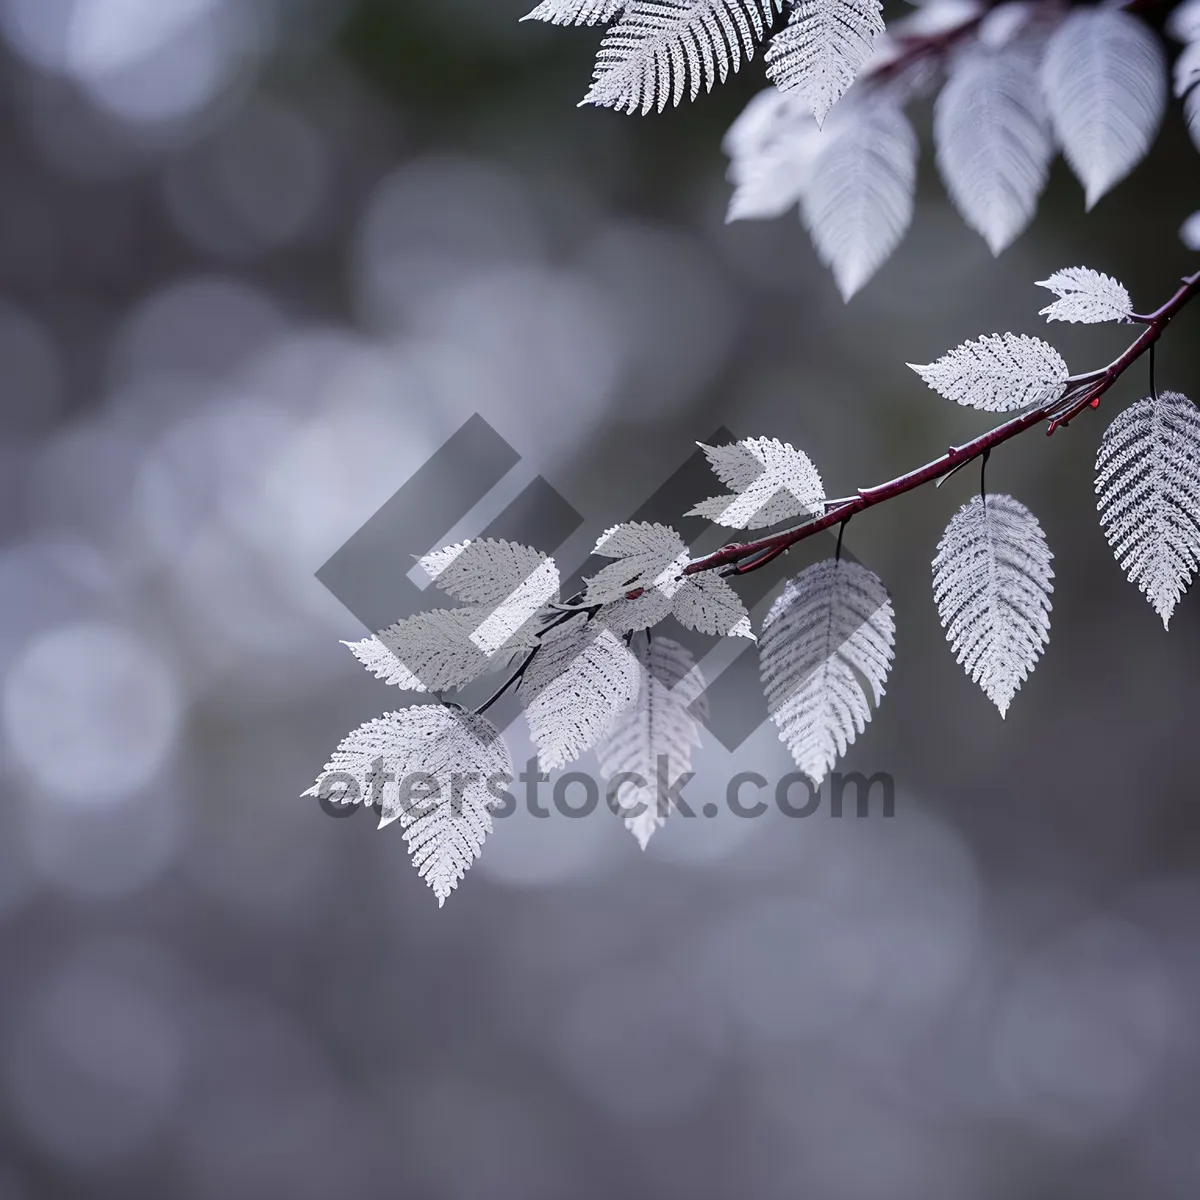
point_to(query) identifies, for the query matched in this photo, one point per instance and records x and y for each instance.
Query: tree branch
(1081, 391)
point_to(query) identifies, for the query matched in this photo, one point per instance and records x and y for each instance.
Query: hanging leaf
(642, 612)
(998, 373)
(581, 677)
(771, 481)
(859, 202)
(993, 142)
(1105, 80)
(822, 48)
(655, 736)
(661, 49)
(991, 582)
(708, 604)
(831, 631)
(772, 147)
(648, 556)
(1148, 495)
(1085, 296)
(442, 649)
(439, 761)
(487, 571)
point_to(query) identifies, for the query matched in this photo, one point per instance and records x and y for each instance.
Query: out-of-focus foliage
(257, 261)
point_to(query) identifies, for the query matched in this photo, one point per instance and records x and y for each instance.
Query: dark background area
(258, 260)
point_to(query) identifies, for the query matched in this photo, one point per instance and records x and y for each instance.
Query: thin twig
(1080, 392)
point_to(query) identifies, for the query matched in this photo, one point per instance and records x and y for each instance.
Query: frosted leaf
(991, 582)
(581, 677)
(829, 633)
(374, 654)
(661, 50)
(1187, 68)
(575, 12)
(648, 556)
(859, 201)
(822, 48)
(708, 604)
(1104, 76)
(642, 612)
(1085, 296)
(655, 736)
(998, 373)
(1148, 495)
(993, 142)
(445, 813)
(516, 582)
(1183, 22)
(771, 481)
(1189, 232)
(485, 571)
(441, 649)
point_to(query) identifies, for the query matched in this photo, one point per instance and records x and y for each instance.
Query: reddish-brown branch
(1080, 392)
(914, 48)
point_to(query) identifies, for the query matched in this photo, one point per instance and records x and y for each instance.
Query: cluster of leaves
(592, 675)
(1018, 82)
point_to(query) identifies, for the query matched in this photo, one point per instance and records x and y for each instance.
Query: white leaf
(772, 147)
(484, 571)
(442, 649)
(822, 48)
(769, 117)
(771, 481)
(830, 631)
(993, 142)
(661, 49)
(642, 612)
(648, 556)
(447, 815)
(765, 188)
(1148, 494)
(575, 12)
(1187, 68)
(1105, 81)
(859, 201)
(655, 736)
(998, 373)
(991, 582)
(516, 582)
(1085, 296)
(581, 677)
(708, 604)
(374, 654)
(1183, 22)
(1189, 231)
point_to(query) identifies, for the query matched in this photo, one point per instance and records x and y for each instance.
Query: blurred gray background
(258, 259)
